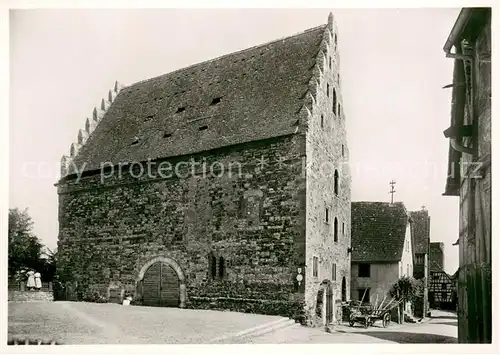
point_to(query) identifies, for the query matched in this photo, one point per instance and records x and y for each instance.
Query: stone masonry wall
(111, 227)
(327, 152)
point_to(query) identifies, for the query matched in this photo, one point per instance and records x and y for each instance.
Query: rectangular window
(364, 270)
(334, 272)
(315, 266)
(364, 295)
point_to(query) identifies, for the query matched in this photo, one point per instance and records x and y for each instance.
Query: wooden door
(160, 286)
(329, 304)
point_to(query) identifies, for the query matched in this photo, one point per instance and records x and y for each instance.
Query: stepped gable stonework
(68, 162)
(232, 239)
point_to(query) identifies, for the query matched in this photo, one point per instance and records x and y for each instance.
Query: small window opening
(342, 150)
(330, 64)
(327, 214)
(336, 182)
(216, 101)
(135, 141)
(213, 265)
(363, 270)
(334, 97)
(221, 267)
(343, 228)
(167, 135)
(322, 121)
(202, 128)
(315, 266)
(180, 109)
(327, 90)
(336, 230)
(334, 272)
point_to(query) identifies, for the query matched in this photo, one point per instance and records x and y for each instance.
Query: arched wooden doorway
(161, 282)
(344, 290)
(324, 302)
(160, 286)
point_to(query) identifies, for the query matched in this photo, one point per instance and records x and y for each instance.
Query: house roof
(420, 231)
(378, 231)
(261, 91)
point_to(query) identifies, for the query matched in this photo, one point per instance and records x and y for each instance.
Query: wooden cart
(368, 315)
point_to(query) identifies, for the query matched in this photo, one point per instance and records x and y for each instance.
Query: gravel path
(93, 323)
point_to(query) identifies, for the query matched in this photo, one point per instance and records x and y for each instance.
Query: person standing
(38, 281)
(31, 280)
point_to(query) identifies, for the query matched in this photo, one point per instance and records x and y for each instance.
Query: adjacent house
(221, 185)
(442, 291)
(436, 260)
(420, 231)
(469, 168)
(382, 248)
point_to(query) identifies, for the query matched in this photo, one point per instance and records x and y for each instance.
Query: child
(31, 280)
(38, 281)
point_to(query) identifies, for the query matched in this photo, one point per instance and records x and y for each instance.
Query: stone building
(469, 173)
(436, 256)
(420, 231)
(221, 185)
(382, 248)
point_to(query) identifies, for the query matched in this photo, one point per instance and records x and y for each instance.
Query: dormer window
(216, 101)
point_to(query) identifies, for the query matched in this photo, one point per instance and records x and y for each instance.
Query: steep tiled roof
(420, 231)
(245, 96)
(378, 231)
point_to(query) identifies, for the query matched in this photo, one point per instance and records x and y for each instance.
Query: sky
(392, 69)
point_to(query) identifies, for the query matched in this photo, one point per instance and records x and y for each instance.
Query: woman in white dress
(38, 281)
(31, 280)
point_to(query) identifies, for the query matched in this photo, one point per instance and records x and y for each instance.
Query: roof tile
(378, 231)
(261, 91)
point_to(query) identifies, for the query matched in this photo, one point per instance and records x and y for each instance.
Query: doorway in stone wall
(329, 304)
(324, 302)
(160, 286)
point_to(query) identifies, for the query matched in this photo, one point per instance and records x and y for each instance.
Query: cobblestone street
(440, 328)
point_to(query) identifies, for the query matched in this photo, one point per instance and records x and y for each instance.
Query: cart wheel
(386, 320)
